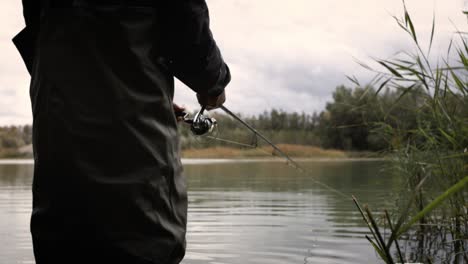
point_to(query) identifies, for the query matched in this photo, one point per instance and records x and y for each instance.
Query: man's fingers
(178, 108)
(211, 102)
(179, 112)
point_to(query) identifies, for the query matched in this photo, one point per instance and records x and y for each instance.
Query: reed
(429, 223)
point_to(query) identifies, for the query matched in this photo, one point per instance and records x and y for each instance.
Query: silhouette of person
(108, 184)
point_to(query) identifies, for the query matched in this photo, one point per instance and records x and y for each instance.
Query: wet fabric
(108, 182)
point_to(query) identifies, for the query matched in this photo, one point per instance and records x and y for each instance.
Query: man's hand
(211, 102)
(179, 112)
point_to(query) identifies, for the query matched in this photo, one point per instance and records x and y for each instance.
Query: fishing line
(231, 142)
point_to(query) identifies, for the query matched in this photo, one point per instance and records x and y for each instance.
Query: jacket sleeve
(31, 12)
(26, 39)
(190, 50)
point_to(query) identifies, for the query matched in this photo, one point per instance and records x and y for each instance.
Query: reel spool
(201, 125)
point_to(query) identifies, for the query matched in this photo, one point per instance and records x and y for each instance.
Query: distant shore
(221, 153)
(295, 151)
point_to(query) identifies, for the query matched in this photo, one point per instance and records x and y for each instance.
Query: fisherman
(108, 184)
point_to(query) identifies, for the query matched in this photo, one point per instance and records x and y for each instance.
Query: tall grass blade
(405, 91)
(393, 71)
(436, 202)
(449, 138)
(463, 58)
(382, 85)
(460, 85)
(354, 80)
(364, 65)
(364, 217)
(432, 33)
(401, 24)
(389, 220)
(373, 228)
(380, 240)
(379, 250)
(409, 23)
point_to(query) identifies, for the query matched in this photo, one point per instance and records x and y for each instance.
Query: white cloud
(14, 79)
(292, 56)
(282, 54)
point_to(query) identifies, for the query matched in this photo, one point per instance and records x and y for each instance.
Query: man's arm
(26, 39)
(32, 12)
(191, 51)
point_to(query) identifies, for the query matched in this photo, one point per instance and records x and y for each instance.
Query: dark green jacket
(108, 184)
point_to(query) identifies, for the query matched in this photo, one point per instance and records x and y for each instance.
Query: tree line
(356, 119)
(13, 138)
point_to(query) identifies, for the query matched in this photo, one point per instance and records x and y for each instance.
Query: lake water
(244, 212)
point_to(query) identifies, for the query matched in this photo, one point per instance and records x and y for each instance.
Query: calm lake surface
(244, 212)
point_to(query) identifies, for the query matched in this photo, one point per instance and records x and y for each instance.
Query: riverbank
(296, 151)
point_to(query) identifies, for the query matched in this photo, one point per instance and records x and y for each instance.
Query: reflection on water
(256, 212)
(15, 210)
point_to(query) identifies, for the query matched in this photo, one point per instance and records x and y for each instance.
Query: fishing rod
(202, 125)
(284, 155)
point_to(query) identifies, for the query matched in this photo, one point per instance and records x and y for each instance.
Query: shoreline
(299, 153)
(200, 161)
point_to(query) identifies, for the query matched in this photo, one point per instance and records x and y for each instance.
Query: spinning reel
(201, 124)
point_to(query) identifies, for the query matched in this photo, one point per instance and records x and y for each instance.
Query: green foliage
(15, 136)
(12, 138)
(359, 119)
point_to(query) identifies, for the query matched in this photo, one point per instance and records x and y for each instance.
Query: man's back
(107, 181)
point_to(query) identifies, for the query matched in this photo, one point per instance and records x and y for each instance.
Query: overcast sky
(282, 54)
